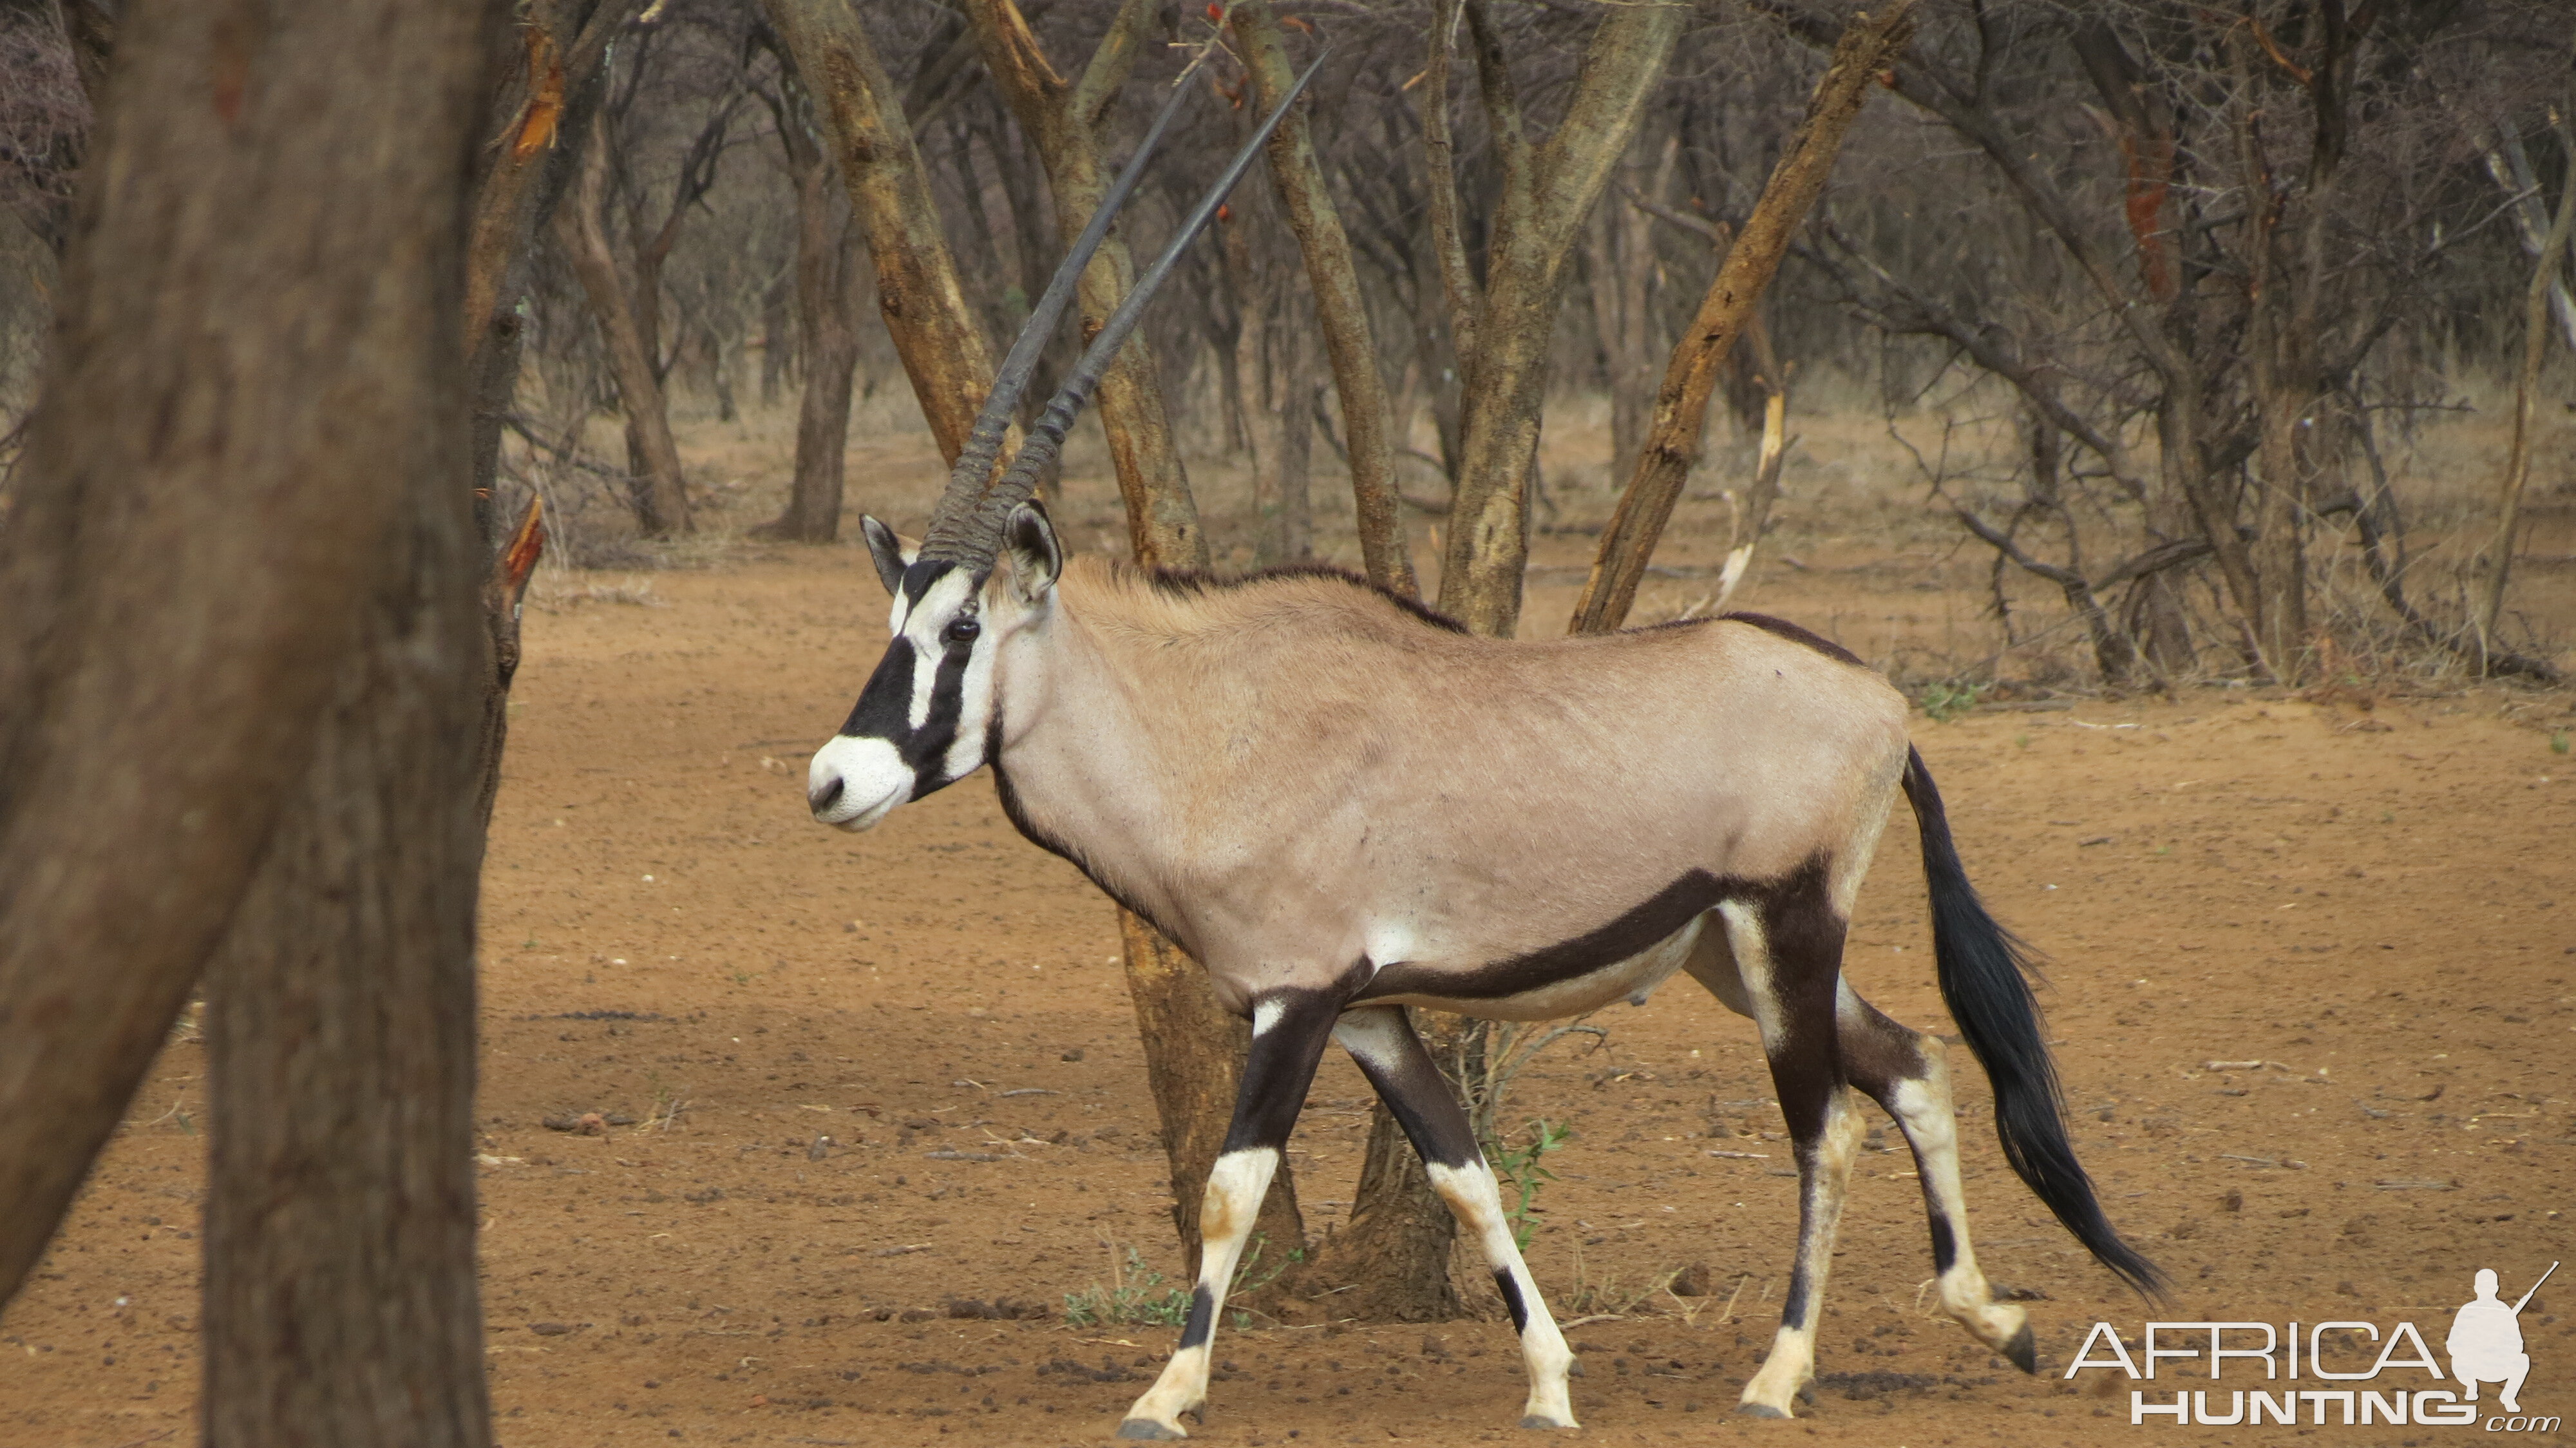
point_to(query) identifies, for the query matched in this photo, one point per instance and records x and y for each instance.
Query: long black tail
(1982, 970)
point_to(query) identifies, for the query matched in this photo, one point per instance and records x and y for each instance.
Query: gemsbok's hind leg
(1788, 956)
(1288, 1035)
(1391, 1056)
(1906, 1073)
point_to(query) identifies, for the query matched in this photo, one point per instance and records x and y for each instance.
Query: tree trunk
(340, 1205)
(1291, 530)
(1194, 1089)
(825, 263)
(272, 270)
(1622, 257)
(1367, 427)
(935, 333)
(777, 337)
(1681, 406)
(1548, 194)
(656, 491)
(1062, 118)
(1198, 1042)
(2535, 346)
(1021, 174)
(1394, 1255)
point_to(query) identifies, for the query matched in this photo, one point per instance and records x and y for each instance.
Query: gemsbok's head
(979, 587)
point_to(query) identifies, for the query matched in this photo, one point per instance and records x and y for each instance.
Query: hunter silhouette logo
(2486, 1342)
(2362, 1375)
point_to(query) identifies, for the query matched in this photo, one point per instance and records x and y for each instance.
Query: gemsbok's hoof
(1759, 1410)
(1149, 1430)
(2023, 1350)
(1541, 1420)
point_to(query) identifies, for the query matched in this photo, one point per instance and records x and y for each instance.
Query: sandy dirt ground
(851, 1087)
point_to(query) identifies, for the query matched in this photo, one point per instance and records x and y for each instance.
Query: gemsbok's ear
(892, 552)
(1036, 558)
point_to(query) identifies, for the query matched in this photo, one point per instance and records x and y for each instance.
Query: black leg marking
(1202, 1320)
(1511, 1291)
(1793, 1311)
(1880, 1055)
(1289, 1032)
(1406, 1078)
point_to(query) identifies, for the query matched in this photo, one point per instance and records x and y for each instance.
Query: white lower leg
(1923, 1111)
(1475, 1197)
(1235, 1187)
(1792, 1360)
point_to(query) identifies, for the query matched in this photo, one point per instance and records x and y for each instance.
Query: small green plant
(2022, 740)
(1608, 1296)
(1135, 1297)
(1519, 1167)
(742, 977)
(1947, 701)
(2558, 742)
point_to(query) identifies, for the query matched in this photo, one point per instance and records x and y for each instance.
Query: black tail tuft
(1982, 971)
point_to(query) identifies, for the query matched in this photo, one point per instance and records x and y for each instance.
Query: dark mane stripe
(1795, 635)
(1192, 582)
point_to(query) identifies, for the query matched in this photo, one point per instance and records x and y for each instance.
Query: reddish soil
(2376, 905)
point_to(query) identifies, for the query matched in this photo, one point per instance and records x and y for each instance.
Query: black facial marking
(1201, 1324)
(884, 710)
(1511, 1290)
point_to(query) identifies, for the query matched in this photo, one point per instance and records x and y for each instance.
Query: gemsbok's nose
(825, 796)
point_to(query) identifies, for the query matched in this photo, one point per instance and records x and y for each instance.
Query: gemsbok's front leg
(1289, 1029)
(1382, 1041)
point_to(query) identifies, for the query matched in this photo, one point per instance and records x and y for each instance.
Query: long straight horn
(974, 466)
(980, 536)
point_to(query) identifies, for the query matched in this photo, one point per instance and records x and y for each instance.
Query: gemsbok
(1342, 804)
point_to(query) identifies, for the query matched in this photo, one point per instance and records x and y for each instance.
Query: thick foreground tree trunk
(268, 267)
(341, 1308)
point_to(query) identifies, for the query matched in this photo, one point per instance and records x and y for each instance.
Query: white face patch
(974, 710)
(923, 626)
(872, 777)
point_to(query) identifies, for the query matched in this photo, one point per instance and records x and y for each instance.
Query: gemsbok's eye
(962, 631)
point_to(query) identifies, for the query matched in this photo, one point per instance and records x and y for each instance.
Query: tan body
(1439, 800)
